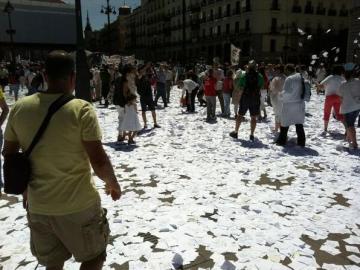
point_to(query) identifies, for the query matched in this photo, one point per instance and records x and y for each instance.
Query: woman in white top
(350, 103)
(331, 85)
(276, 86)
(131, 123)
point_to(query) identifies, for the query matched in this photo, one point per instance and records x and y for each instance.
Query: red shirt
(228, 85)
(209, 87)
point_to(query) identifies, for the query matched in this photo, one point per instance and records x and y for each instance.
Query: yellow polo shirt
(2, 96)
(61, 180)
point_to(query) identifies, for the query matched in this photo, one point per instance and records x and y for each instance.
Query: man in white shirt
(350, 103)
(331, 85)
(190, 88)
(293, 107)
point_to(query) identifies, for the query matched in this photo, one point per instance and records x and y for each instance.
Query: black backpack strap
(54, 107)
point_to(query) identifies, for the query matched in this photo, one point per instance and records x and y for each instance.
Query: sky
(98, 19)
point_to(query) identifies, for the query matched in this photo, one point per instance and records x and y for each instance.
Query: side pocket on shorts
(96, 233)
(32, 246)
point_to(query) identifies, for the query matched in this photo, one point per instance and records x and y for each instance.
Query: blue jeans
(227, 99)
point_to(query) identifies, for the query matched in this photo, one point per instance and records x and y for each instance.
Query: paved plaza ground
(195, 197)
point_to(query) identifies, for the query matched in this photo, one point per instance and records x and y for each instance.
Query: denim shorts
(350, 118)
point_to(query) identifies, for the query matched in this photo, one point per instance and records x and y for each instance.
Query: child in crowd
(227, 92)
(131, 123)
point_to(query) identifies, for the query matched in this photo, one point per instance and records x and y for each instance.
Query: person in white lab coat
(293, 107)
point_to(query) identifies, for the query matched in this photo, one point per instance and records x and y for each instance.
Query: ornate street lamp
(9, 8)
(108, 10)
(82, 68)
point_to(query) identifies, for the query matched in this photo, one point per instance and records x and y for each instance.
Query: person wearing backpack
(119, 101)
(63, 204)
(146, 94)
(250, 84)
(293, 98)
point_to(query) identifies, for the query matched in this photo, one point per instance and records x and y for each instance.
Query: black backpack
(252, 83)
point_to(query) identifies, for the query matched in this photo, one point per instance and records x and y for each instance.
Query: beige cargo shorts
(84, 235)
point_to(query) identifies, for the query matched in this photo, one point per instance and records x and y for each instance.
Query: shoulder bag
(17, 167)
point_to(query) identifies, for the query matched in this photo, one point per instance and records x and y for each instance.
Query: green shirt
(241, 82)
(61, 181)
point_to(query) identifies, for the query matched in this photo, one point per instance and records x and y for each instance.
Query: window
(220, 12)
(273, 45)
(320, 10)
(237, 27)
(204, 32)
(296, 7)
(211, 15)
(273, 25)
(228, 10)
(343, 12)
(237, 10)
(247, 25)
(219, 30)
(210, 31)
(228, 29)
(309, 9)
(203, 16)
(332, 10)
(248, 5)
(275, 5)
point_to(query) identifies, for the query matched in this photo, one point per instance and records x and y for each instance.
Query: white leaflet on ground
(189, 185)
(353, 249)
(301, 32)
(354, 258)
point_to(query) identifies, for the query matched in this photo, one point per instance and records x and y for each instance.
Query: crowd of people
(285, 88)
(61, 199)
(251, 88)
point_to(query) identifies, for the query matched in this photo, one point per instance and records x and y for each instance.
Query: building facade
(108, 40)
(263, 29)
(40, 26)
(353, 51)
